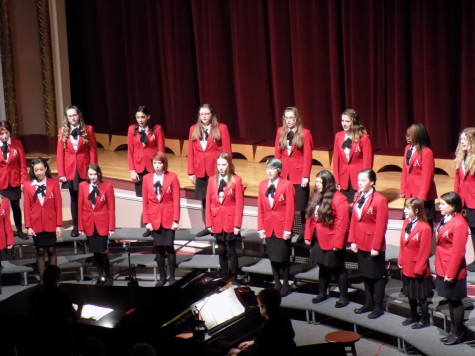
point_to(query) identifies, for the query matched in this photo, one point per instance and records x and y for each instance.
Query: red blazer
(369, 231)
(44, 217)
(68, 160)
(465, 187)
(201, 163)
(361, 157)
(417, 178)
(102, 216)
(13, 172)
(6, 231)
(279, 217)
(414, 252)
(298, 164)
(450, 252)
(336, 234)
(140, 156)
(163, 212)
(228, 214)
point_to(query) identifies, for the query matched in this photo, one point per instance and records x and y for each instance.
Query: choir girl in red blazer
(465, 179)
(326, 231)
(161, 213)
(207, 139)
(352, 153)
(77, 147)
(414, 251)
(275, 219)
(418, 167)
(224, 209)
(293, 146)
(43, 212)
(368, 227)
(13, 173)
(6, 231)
(97, 218)
(143, 139)
(450, 266)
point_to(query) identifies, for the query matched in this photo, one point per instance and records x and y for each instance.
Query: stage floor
(114, 166)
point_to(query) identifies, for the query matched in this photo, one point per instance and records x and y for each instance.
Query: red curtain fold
(394, 61)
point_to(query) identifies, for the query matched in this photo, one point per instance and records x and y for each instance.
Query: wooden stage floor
(114, 166)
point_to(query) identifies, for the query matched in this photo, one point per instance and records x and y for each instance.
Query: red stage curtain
(394, 61)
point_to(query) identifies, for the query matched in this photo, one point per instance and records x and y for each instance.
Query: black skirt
(328, 258)
(301, 197)
(45, 239)
(201, 187)
(138, 186)
(278, 250)
(223, 237)
(98, 243)
(349, 193)
(457, 290)
(163, 237)
(3, 256)
(12, 193)
(72, 184)
(470, 217)
(417, 288)
(371, 267)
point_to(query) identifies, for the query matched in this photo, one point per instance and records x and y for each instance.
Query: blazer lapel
(367, 205)
(166, 184)
(443, 229)
(226, 192)
(413, 233)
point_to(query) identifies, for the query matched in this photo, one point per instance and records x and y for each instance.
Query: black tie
(93, 194)
(5, 151)
(409, 226)
(75, 133)
(270, 191)
(205, 135)
(222, 184)
(290, 137)
(143, 137)
(361, 202)
(347, 143)
(158, 187)
(408, 156)
(442, 223)
(40, 189)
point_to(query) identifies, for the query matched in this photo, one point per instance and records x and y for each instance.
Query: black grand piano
(201, 314)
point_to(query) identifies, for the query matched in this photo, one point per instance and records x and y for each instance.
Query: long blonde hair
(357, 129)
(67, 126)
(298, 139)
(214, 125)
(231, 169)
(460, 153)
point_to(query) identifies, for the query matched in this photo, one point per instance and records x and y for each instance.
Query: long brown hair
(460, 154)
(357, 129)
(214, 125)
(417, 206)
(419, 136)
(298, 139)
(67, 126)
(323, 199)
(231, 169)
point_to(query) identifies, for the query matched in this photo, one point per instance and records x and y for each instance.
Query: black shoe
(453, 340)
(278, 287)
(161, 283)
(203, 232)
(341, 304)
(471, 267)
(171, 280)
(109, 282)
(421, 324)
(409, 321)
(74, 232)
(363, 309)
(319, 299)
(445, 338)
(285, 290)
(375, 314)
(22, 235)
(147, 233)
